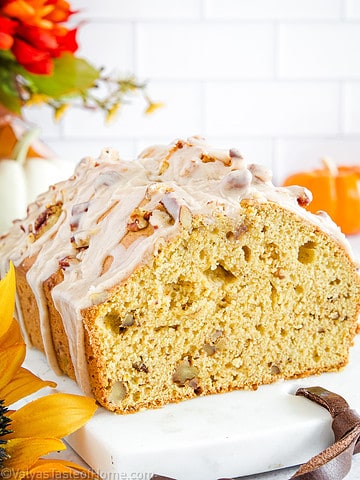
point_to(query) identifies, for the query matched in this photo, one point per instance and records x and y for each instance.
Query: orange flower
(36, 34)
(38, 13)
(38, 60)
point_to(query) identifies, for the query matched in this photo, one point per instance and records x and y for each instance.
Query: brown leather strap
(334, 463)
(160, 477)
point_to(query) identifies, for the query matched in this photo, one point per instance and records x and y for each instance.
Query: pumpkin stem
(330, 166)
(21, 148)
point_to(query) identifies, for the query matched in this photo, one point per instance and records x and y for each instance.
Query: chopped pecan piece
(184, 371)
(76, 212)
(67, 261)
(118, 392)
(80, 239)
(140, 366)
(139, 219)
(45, 221)
(177, 210)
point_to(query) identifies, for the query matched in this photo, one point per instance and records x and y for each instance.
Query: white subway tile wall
(278, 79)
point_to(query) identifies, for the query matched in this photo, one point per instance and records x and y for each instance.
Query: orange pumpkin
(12, 128)
(336, 190)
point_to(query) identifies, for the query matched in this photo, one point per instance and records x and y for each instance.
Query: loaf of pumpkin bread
(183, 273)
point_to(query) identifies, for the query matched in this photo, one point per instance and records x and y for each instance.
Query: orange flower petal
(7, 300)
(59, 466)
(24, 452)
(6, 41)
(11, 360)
(45, 10)
(42, 23)
(19, 9)
(24, 383)
(58, 414)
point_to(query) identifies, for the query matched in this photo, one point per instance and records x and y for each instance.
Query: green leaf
(11, 103)
(71, 75)
(9, 96)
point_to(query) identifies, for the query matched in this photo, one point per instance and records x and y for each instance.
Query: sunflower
(36, 428)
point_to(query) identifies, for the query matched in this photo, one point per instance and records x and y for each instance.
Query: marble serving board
(227, 435)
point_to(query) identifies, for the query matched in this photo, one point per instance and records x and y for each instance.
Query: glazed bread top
(112, 215)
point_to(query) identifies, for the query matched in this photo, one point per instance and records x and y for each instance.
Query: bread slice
(174, 287)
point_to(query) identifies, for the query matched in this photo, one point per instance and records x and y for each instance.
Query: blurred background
(278, 79)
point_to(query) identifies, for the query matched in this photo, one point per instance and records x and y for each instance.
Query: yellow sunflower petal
(24, 383)
(24, 452)
(12, 336)
(42, 467)
(11, 360)
(58, 415)
(7, 300)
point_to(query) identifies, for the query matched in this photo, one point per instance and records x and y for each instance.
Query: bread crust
(58, 333)
(28, 304)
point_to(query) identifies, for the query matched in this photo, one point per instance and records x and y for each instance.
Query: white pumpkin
(22, 180)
